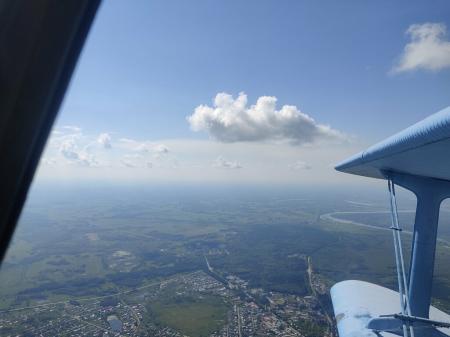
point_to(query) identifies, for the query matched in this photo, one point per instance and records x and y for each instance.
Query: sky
(246, 91)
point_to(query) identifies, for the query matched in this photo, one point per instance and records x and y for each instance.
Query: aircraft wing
(422, 149)
(355, 303)
(418, 159)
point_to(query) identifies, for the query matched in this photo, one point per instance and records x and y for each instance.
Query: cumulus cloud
(221, 162)
(55, 133)
(300, 165)
(136, 160)
(71, 128)
(161, 149)
(144, 146)
(232, 120)
(48, 161)
(127, 163)
(69, 150)
(87, 159)
(428, 49)
(68, 146)
(104, 139)
(132, 160)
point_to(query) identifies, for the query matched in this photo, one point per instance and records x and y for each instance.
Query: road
(239, 321)
(313, 290)
(208, 265)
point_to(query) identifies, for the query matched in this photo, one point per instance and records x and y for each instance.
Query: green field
(67, 248)
(192, 316)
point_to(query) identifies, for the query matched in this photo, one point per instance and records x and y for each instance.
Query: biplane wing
(418, 159)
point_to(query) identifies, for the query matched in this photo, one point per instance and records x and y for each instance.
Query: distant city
(127, 313)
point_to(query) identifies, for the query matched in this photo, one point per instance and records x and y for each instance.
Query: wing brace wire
(408, 330)
(400, 264)
(405, 320)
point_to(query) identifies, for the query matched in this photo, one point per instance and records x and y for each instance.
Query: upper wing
(422, 149)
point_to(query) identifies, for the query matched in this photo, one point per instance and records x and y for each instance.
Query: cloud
(71, 128)
(55, 133)
(231, 120)
(132, 160)
(300, 165)
(161, 149)
(127, 163)
(69, 150)
(70, 147)
(144, 146)
(221, 162)
(104, 139)
(87, 159)
(197, 161)
(48, 161)
(428, 48)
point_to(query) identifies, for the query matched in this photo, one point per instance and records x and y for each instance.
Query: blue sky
(147, 65)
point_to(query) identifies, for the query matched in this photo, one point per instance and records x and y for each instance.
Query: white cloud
(69, 147)
(196, 161)
(71, 128)
(69, 150)
(161, 149)
(300, 165)
(134, 156)
(132, 160)
(104, 139)
(55, 133)
(48, 161)
(428, 49)
(144, 146)
(127, 163)
(87, 159)
(221, 162)
(231, 120)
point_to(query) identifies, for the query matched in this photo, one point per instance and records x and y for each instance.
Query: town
(248, 311)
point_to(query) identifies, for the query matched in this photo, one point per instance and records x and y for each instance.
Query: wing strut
(415, 291)
(399, 261)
